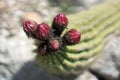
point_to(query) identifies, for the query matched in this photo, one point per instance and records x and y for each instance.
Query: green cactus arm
(95, 25)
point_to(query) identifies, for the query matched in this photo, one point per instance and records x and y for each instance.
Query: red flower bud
(43, 31)
(54, 44)
(60, 22)
(42, 49)
(30, 27)
(72, 37)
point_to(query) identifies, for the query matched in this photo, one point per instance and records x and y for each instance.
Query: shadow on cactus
(51, 45)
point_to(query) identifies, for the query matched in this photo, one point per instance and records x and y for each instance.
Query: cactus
(95, 25)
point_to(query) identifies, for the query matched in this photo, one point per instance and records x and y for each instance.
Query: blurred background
(16, 56)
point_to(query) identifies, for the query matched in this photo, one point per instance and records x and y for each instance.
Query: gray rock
(87, 3)
(86, 76)
(14, 52)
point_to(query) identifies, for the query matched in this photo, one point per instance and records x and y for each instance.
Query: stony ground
(16, 56)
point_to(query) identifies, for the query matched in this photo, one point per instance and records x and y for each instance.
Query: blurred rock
(86, 76)
(45, 10)
(2, 5)
(31, 16)
(72, 6)
(14, 52)
(87, 3)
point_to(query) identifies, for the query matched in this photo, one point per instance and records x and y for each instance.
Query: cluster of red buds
(50, 37)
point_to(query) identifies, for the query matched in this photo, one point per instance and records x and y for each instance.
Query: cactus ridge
(95, 25)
